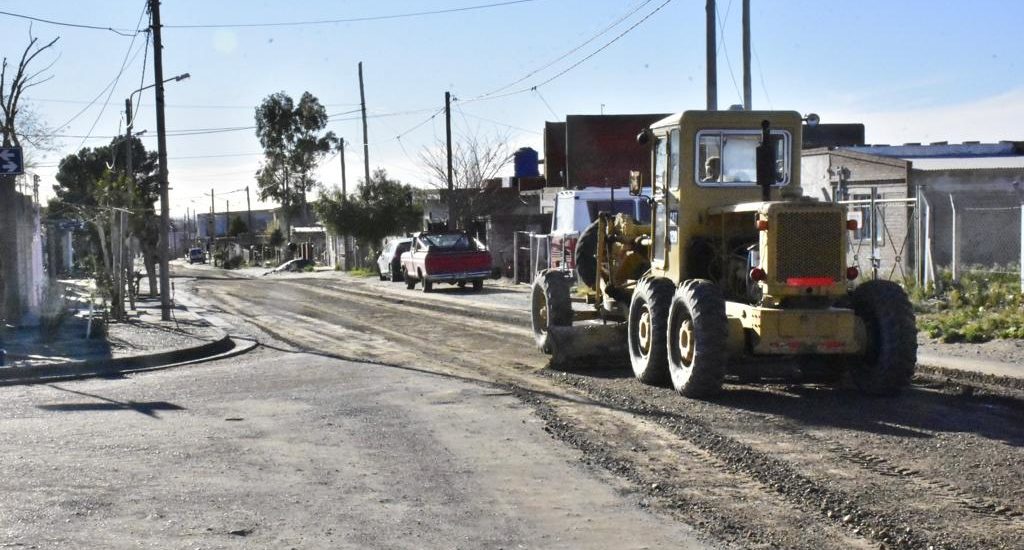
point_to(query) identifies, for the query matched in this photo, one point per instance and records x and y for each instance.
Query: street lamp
(165, 277)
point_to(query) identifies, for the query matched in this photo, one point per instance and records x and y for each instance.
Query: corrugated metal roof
(969, 163)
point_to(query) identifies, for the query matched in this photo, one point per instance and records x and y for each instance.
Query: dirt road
(763, 465)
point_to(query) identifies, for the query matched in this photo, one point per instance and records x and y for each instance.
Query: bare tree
(475, 159)
(14, 80)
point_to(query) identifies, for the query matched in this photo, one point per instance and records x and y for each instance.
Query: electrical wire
(575, 49)
(122, 31)
(124, 65)
(725, 49)
(346, 20)
(578, 63)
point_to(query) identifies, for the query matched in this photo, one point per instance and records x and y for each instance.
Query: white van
(576, 209)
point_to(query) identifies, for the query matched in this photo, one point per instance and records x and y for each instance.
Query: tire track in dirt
(776, 484)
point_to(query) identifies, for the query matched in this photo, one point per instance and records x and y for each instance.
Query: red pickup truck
(454, 258)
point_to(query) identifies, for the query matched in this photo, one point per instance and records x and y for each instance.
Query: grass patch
(978, 308)
(362, 272)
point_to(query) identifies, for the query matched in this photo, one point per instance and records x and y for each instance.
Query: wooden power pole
(161, 140)
(712, 74)
(248, 209)
(747, 96)
(448, 140)
(366, 143)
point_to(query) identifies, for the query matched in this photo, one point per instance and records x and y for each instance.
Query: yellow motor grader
(736, 274)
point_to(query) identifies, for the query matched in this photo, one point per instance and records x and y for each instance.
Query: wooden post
(161, 132)
(747, 96)
(712, 65)
(366, 143)
(448, 140)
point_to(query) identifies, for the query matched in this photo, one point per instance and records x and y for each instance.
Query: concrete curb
(90, 368)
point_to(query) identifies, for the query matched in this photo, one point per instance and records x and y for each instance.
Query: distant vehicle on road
(196, 255)
(450, 257)
(389, 263)
(298, 264)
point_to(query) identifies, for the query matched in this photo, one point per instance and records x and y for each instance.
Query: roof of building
(942, 149)
(969, 163)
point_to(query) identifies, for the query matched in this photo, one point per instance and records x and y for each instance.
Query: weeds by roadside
(362, 272)
(978, 308)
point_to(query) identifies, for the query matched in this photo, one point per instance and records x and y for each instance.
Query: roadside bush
(233, 263)
(978, 308)
(362, 272)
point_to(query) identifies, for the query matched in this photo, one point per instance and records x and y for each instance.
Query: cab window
(660, 165)
(729, 157)
(673, 160)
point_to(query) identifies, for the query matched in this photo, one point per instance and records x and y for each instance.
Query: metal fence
(530, 255)
(985, 240)
(883, 245)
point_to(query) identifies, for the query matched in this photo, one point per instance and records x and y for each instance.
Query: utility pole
(161, 133)
(341, 153)
(213, 217)
(448, 138)
(747, 96)
(366, 143)
(248, 209)
(344, 199)
(712, 74)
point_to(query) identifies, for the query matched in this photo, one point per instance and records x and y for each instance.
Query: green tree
(237, 227)
(294, 141)
(380, 207)
(91, 181)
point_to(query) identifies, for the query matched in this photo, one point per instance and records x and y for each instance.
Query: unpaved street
(373, 416)
(761, 465)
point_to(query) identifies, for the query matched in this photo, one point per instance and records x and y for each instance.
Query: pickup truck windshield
(449, 241)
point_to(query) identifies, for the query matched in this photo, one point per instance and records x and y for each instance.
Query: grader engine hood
(802, 249)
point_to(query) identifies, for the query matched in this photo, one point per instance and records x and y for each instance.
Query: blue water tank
(526, 161)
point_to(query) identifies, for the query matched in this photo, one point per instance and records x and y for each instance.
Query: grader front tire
(550, 305)
(891, 355)
(647, 330)
(697, 335)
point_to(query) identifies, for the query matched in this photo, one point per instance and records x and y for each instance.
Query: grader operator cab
(737, 274)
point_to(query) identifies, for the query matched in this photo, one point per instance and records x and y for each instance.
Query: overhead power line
(563, 72)
(120, 31)
(346, 20)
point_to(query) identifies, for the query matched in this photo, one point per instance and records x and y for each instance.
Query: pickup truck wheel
(891, 355)
(648, 315)
(478, 285)
(396, 274)
(410, 283)
(550, 305)
(427, 285)
(697, 334)
(461, 284)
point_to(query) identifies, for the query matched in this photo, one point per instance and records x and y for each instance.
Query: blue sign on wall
(10, 161)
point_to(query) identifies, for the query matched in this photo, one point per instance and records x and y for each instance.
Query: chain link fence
(985, 239)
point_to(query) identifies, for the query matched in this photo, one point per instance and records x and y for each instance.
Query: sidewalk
(143, 342)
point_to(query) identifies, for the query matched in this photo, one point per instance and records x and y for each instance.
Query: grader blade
(586, 345)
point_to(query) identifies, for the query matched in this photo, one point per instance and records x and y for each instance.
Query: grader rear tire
(697, 335)
(550, 305)
(647, 330)
(891, 355)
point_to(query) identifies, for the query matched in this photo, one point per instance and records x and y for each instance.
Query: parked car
(451, 257)
(196, 255)
(298, 264)
(389, 263)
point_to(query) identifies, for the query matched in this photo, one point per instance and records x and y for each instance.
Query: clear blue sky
(910, 70)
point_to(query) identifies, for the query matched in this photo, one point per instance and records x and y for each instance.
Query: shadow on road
(148, 408)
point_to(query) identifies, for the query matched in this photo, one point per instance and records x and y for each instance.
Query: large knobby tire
(697, 334)
(647, 330)
(891, 353)
(550, 305)
(585, 256)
